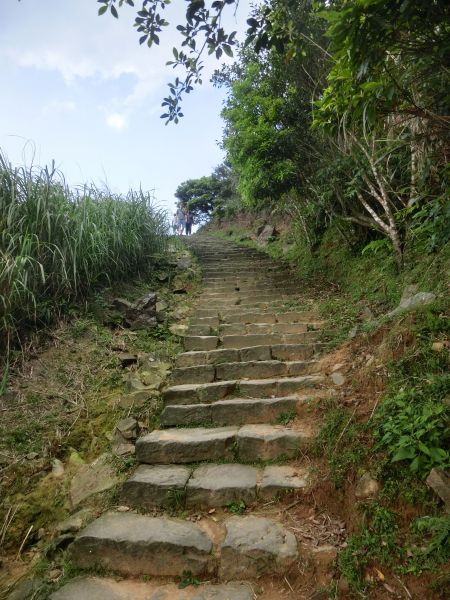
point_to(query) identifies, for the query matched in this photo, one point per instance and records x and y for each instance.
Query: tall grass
(57, 245)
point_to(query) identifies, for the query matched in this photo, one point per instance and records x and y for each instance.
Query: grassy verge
(58, 245)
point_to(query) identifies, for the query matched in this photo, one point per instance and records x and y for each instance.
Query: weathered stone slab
(155, 485)
(300, 367)
(267, 442)
(186, 445)
(255, 353)
(133, 544)
(197, 374)
(92, 479)
(186, 414)
(292, 351)
(239, 411)
(199, 392)
(216, 357)
(439, 481)
(281, 478)
(201, 342)
(218, 485)
(255, 546)
(191, 359)
(251, 370)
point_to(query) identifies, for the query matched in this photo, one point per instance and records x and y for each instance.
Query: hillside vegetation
(59, 245)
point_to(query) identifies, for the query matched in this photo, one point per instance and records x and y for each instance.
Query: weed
(340, 440)
(437, 550)
(376, 540)
(188, 579)
(176, 499)
(237, 507)
(287, 417)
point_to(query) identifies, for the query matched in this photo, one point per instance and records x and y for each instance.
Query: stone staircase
(232, 423)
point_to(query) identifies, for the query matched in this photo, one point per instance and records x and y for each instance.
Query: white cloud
(116, 121)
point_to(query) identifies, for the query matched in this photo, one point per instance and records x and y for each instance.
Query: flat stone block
(218, 485)
(292, 351)
(267, 442)
(291, 385)
(258, 388)
(186, 445)
(281, 478)
(196, 374)
(255, 546)
(255, 353)
(239, 411)
(133, 544)
(216, 357)
(201, 342)
(191, 359)
(186, 414)
(154, 485)
(181, 394)
(96, 588)
(251, 370)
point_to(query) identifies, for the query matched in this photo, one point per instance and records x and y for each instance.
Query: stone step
(261, 339)
(212, 342)
(221, 355)
(249, 329)
(96, 588)
(235, 411)
(138, 545)
(256, 317)
(249, 300)
(209, 486)
(193, 393)
(249, 443)
(132, 544)
(235, 310)
(240, 370)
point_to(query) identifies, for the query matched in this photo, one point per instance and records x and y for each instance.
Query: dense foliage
(346, 120)
(57, 245)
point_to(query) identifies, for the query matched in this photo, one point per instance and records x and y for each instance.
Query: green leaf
(403, 454)
(102, 9)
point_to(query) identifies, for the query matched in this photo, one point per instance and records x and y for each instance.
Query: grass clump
(57, 245)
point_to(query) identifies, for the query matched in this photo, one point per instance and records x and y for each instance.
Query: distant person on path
(189, 221)
(175, 224)
(180, 220)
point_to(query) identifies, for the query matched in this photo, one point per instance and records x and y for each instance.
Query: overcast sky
(78, 88)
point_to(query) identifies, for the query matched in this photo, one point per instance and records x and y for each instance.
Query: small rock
(91, 479)
(57, 469)
(129, 428)
(337, 378)
(178, 329)
(353, 332)
(184, 263)
(75, 522)
(127, 359)
(54, 574)
(122, 508)
(337, 367)
(411, 302)
(343, 585)
(162, 277)
(440, 346)
(266, 235)
(439, 482)
(31, 455)
(367, 487)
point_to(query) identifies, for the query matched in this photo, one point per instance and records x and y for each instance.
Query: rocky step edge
(179, 487)
(237, 411)
(245, 444)
(264, 369)
(204, 393)
(130, 544)
(96, 588)
(280, 352)
(244, 341)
